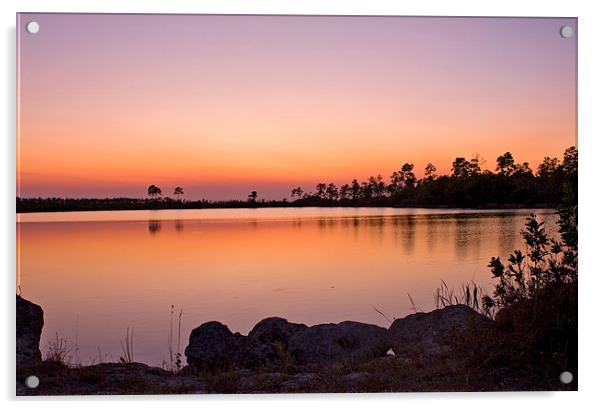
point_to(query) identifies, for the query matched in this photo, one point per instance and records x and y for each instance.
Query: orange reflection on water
(96, 278)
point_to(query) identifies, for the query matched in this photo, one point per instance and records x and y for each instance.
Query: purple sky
(227, 104)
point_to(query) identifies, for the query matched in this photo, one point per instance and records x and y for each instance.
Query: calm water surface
(98, 273)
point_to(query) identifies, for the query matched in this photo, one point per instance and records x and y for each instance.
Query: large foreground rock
(30, 320)
(274, 329)
(339, 343)
(432, 334)
(275, 333)
(212, 346)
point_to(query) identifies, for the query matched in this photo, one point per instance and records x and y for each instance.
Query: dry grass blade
(384, 316)
(413, 304)
(127, 347)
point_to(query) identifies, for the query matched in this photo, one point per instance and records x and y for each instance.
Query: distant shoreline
(513, 187)
(93, 205)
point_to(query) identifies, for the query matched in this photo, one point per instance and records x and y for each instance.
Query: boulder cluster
(275, 341)
(213, 346)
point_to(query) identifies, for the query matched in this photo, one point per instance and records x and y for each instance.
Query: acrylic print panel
(400, 192)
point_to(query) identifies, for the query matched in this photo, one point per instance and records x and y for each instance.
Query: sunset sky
(222, 105)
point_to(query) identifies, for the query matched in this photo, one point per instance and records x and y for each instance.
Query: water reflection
(509, 229)
(461, 230)
(431, 233)
(239, 270)
(154, 226)
(405, 229)
(179, 224)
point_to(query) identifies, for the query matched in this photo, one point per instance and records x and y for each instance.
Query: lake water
(97, 273)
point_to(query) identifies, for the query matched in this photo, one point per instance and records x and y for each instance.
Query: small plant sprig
(127, 347)
(175, 360)
(59, 351)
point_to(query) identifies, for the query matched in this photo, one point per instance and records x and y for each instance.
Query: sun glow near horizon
(222, 105)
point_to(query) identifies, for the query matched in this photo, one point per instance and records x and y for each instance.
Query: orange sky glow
(223, 105)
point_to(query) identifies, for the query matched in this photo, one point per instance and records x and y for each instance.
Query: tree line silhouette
(467, 185)
(513, 184)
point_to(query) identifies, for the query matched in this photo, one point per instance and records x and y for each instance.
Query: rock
(30, 320)
(255, 382)
(186, 371)
(275, 333)
(108, 379)
(355, 377)
(275, 329)
(149, 378)
(300, 381)
(212, 346)
(339, 343)
(116, 373)
(431, 334)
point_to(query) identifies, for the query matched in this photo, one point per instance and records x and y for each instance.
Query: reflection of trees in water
(356, 225)
(468, 236)
(358, 221)
(431, 232)
(478, 235)
(461, 238)
(179, 225)
(322, 223)
(327, 222)
(352, 223)
(154, 226)
(405, 230)
(508, 228)
(375, 227)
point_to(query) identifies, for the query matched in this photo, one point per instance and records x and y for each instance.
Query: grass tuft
(59, 351)
(469, 294)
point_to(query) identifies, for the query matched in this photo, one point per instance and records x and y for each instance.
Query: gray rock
(255, 382)
(111, 378)
(300, 381)
(275, 329)
(212, 346)
(116, 373)
(355, 377)
(275, 333)
(119, 374)
(30, 320)
(339, 343)
(431, 334)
